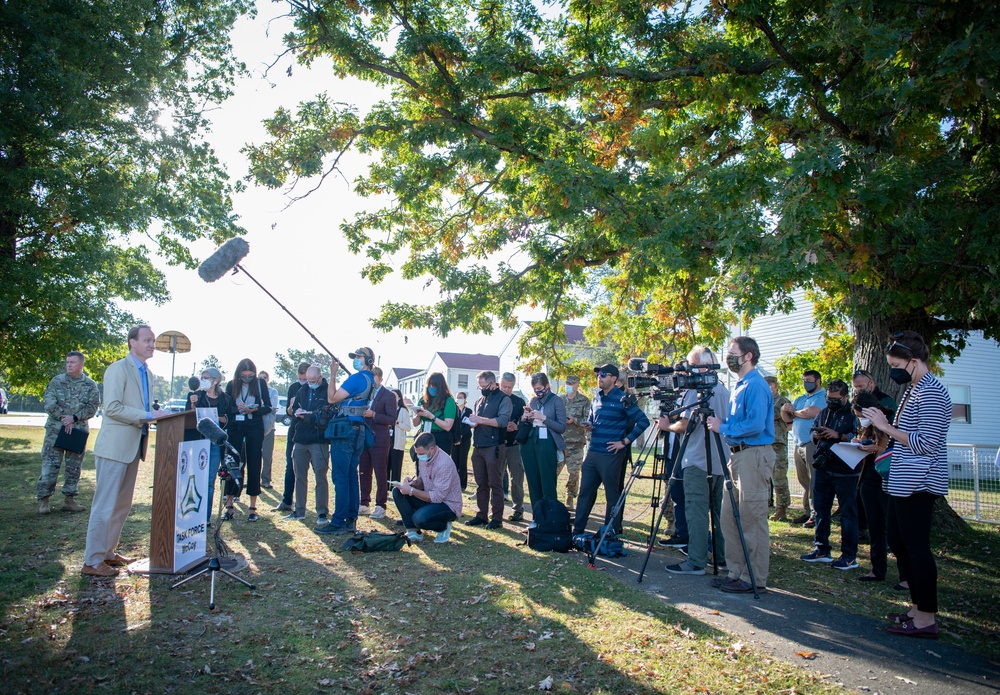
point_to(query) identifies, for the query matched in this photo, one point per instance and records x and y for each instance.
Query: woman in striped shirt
(917, 477)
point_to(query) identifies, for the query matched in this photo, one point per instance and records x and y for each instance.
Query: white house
(511, 360)
(459, 370)
(406, 379)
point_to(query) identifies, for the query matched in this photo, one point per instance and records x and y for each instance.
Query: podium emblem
(191, 502)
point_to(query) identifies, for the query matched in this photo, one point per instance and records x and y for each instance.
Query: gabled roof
(461, 360)
(404, 372)
(574, 334)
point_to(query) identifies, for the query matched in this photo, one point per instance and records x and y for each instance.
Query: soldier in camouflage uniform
(576, 436)
(71, 399)
(779, 478)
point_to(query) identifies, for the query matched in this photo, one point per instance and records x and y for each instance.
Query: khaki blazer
(120, 436)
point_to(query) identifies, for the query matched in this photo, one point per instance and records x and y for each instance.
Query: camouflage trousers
(779, 478)
(52, 458)
(573, 461)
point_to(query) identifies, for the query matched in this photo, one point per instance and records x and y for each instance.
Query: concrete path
(849, 649)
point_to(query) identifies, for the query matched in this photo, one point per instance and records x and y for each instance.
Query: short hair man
(121, 444)
(779, 479)
(803, 411)
(749, 431)
(268, 445)
(834, 478)
(490, 416)
(610, 440)
(512, 449)
(433, 500)
(864, 382)
(71, 399)
(293, 389)
(576, 437)
(311, 449)
(380, 416)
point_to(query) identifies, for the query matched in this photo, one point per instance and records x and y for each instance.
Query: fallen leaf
(714, 613)
(806, 655)
(545, 684)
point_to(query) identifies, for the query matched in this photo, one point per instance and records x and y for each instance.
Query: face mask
(432, 391)
(541, 392)
(865, 422)
(303, 382)
(246, 379)
(810, 386)
(424, 457)
(359, 364)
(834, 404)
(570, 388)
(314, 386)
(460, 401)
(900, 375)
(733, 362)
(206, 384)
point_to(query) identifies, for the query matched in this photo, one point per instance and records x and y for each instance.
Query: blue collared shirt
(144, 375)
(751, 413)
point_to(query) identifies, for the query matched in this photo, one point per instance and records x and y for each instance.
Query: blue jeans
(345, 455)
(675, 491)
(286, 496)
(214, 459)
(417, 514)
(826, 486)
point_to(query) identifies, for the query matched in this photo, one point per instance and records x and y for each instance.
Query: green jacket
(68, 396)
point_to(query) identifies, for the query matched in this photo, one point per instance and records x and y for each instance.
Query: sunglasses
(862, 372)
(894, 344)
(602, 375)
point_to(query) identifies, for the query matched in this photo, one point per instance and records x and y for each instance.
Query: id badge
(427, 426)
(543, 432)
(240, 418)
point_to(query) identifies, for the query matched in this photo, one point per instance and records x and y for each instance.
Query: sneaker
(379, 513)
(673, 542)
(817, 556)
(352, 525)
(516, 516)
(364, 510)
(444, 535)
(330, 529)
(414, 536)
(476, 521)
(282, 508)
(842, 563)
(685, 568)
(720, 580)
(473, 495)
(495, 524)
(321, 520)
(739, 586)
(295, 516)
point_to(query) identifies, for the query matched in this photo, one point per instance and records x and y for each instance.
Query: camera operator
(701, 490)
(609, 442)
(833, 477)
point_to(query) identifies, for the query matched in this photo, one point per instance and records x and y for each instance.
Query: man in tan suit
(121, 443)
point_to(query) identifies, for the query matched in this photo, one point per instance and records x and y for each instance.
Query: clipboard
(75, 441)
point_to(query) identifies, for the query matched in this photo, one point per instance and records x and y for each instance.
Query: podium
(169, 434)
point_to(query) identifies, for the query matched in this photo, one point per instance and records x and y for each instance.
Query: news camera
(663, 382)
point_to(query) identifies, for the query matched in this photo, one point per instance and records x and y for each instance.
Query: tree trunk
(946, 520)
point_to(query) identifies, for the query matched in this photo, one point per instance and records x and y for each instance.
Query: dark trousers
(286, 495)
(599, 468)
(374, 461)
(487, 468)
(394, 470)
(876, 505)
(826, 486)
(417, 514)
(538, 456)
(249, 442)
(910, 539)
(675, 493)
(461, 459)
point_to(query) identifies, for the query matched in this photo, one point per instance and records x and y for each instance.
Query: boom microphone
(224, 259)
(227, 257)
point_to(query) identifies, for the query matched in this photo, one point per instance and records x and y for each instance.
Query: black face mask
(900, 375)
(833, 404)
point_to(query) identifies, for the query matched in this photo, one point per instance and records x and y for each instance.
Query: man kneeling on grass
(433, 500)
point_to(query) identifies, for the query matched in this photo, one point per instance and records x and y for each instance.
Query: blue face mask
(359, 364)
(314, 386)
(424, 457)
(432, 391)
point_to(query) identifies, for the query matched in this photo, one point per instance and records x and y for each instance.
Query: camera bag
(552, 530)
(611, 547)
(375, 542)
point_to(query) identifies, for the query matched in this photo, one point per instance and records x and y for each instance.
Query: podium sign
(192, 497)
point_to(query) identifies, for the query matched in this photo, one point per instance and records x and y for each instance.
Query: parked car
(283, 417)
(175, 405)
(3, 402)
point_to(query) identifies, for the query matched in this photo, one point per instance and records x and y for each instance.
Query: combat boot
(71, 505)
(43, 506)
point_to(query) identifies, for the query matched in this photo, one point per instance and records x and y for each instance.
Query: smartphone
(395, 483)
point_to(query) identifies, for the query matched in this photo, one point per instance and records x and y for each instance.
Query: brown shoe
(43, 506)
(800, 519)
(101, 570)
(71, 505)
(119, 561)
(779, 515)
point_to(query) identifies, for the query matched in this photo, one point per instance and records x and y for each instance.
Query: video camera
(231, 469)
(665, 382)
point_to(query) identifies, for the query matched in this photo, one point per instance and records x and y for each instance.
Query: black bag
(552, 530)
(376, 542)
(611, 547)
(523, 431)
(75, 441)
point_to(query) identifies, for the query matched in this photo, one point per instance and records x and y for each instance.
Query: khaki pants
(751, 470)
(113, 490)
(804, 471)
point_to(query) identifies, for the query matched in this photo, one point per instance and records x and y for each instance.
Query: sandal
(253, 514)
(228, 516)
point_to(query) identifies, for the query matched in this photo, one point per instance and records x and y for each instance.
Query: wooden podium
(169, 434)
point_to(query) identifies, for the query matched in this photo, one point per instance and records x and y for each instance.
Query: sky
(232, 318)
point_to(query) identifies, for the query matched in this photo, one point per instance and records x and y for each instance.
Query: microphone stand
(238, 268)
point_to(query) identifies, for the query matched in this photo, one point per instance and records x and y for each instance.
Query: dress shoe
(740, 587)
(101, 570)
(910, 630)
(71, 505)
(800, 519)
(119, 561)
(495, 524)
(476, 521)
(43, 506)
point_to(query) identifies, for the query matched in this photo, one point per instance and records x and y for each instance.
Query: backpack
(375, 542)
(552, 530)
(611, 547)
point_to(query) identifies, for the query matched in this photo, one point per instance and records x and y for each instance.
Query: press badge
(543, 432)
(240, 418)
(427, 425)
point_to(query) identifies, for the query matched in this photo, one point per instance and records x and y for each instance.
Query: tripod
(215, 565)
(699, 416)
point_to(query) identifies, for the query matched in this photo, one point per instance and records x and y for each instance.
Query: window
(463, 381)
(961, 403)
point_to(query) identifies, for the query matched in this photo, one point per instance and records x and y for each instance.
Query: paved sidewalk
(849, 648)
